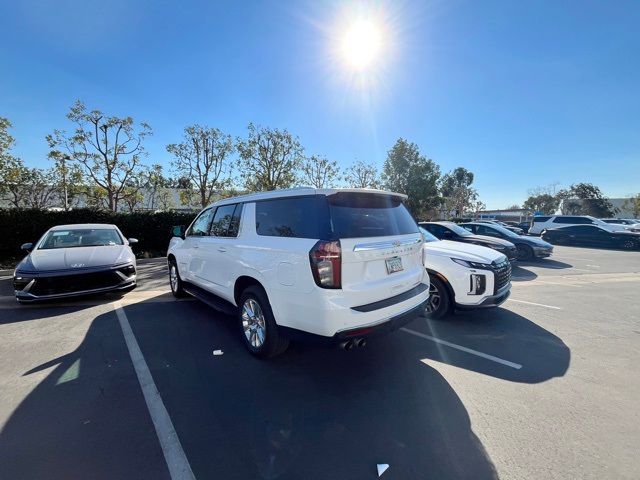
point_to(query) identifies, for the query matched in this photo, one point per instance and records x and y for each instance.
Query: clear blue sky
(523, 93)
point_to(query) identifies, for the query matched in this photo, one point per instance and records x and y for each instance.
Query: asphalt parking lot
(543, 387)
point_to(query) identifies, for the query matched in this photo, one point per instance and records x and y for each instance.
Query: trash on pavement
(382, 467)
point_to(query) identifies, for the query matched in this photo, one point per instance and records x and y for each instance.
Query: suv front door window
(218, 251)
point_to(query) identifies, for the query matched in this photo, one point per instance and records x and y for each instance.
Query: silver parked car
(72, 260)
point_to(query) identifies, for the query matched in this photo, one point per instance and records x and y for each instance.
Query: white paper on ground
(382, 467)
(218, 352)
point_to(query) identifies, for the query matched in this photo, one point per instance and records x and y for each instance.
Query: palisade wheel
(439, 303)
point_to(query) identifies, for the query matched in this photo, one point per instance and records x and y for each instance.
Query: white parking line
(179, 468)
(536, 304)
(517, 366)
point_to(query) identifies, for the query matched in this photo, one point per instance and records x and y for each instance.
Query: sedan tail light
(326, 264)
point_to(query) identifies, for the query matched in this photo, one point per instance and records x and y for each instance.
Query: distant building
(513, 215)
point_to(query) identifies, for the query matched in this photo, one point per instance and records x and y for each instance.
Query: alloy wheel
(173, 277)
(628, 244)
(434, 299)
(253, 323)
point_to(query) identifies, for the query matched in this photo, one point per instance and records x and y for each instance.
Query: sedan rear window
(358, 215)
(94, 237)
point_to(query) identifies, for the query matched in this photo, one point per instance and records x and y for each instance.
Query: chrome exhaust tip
(348, 345)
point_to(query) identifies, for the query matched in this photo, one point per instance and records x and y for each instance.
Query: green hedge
(153, 230)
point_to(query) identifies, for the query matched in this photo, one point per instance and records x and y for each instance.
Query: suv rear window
(355, 215)
(342, 215)
(540, 219)
(301, 217)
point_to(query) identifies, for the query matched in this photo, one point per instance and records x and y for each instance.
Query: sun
(361, 45)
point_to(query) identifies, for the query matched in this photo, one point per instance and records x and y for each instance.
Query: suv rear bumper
(382, 328)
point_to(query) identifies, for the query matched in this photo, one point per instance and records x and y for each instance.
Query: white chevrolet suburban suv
(335, 265)
(464, 276)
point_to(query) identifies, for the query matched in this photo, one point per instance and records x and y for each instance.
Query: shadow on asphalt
(519, 274)
(545, 263)
(312, 413)
(501, 333)
(86, 419)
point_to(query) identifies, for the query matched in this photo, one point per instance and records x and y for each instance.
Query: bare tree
(361, 175)
(203, 158)
(319, 172)
(269, 158)
(108, 148)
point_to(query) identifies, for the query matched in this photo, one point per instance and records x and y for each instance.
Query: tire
(176, 284)
(260, 331)
(560, 240)
(439, 303)
(525, 252)
(629, 244)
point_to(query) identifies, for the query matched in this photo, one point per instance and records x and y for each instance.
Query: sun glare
(361, 44)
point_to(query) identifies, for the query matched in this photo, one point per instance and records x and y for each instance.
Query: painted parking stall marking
(177, 463)
(534, 303)
(517, 366)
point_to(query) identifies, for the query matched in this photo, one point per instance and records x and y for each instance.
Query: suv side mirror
(132, 241)
(27, 247)
(178, 231)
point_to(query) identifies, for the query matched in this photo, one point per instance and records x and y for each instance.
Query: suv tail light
(326, 264)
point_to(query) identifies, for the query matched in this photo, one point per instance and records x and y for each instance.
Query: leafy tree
(407, 171)
(203, 158)
(633, 204)
(319, 172)
(592, 201)
(269, 158)
(29, 187)
(458, 194)
(155, 184)
(67, 178)
(108, 148)
(164, 199)
(361, 175)
(133, 198)
(8, 162)
(543, 203)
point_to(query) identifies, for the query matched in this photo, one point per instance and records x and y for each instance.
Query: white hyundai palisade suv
(336, 265)
(464, 276)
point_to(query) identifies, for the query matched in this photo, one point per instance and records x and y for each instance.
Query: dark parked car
(524, 226)
(71, 260)
(451, 231)
(513, 228)
(528, 247)
(592, 236)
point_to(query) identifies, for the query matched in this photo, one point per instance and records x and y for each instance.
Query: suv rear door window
(540, 219)
(357, 215)
(234, 226)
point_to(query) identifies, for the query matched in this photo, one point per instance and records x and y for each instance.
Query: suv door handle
(222, 249)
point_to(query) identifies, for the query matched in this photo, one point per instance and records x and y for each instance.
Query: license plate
(394, 264)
